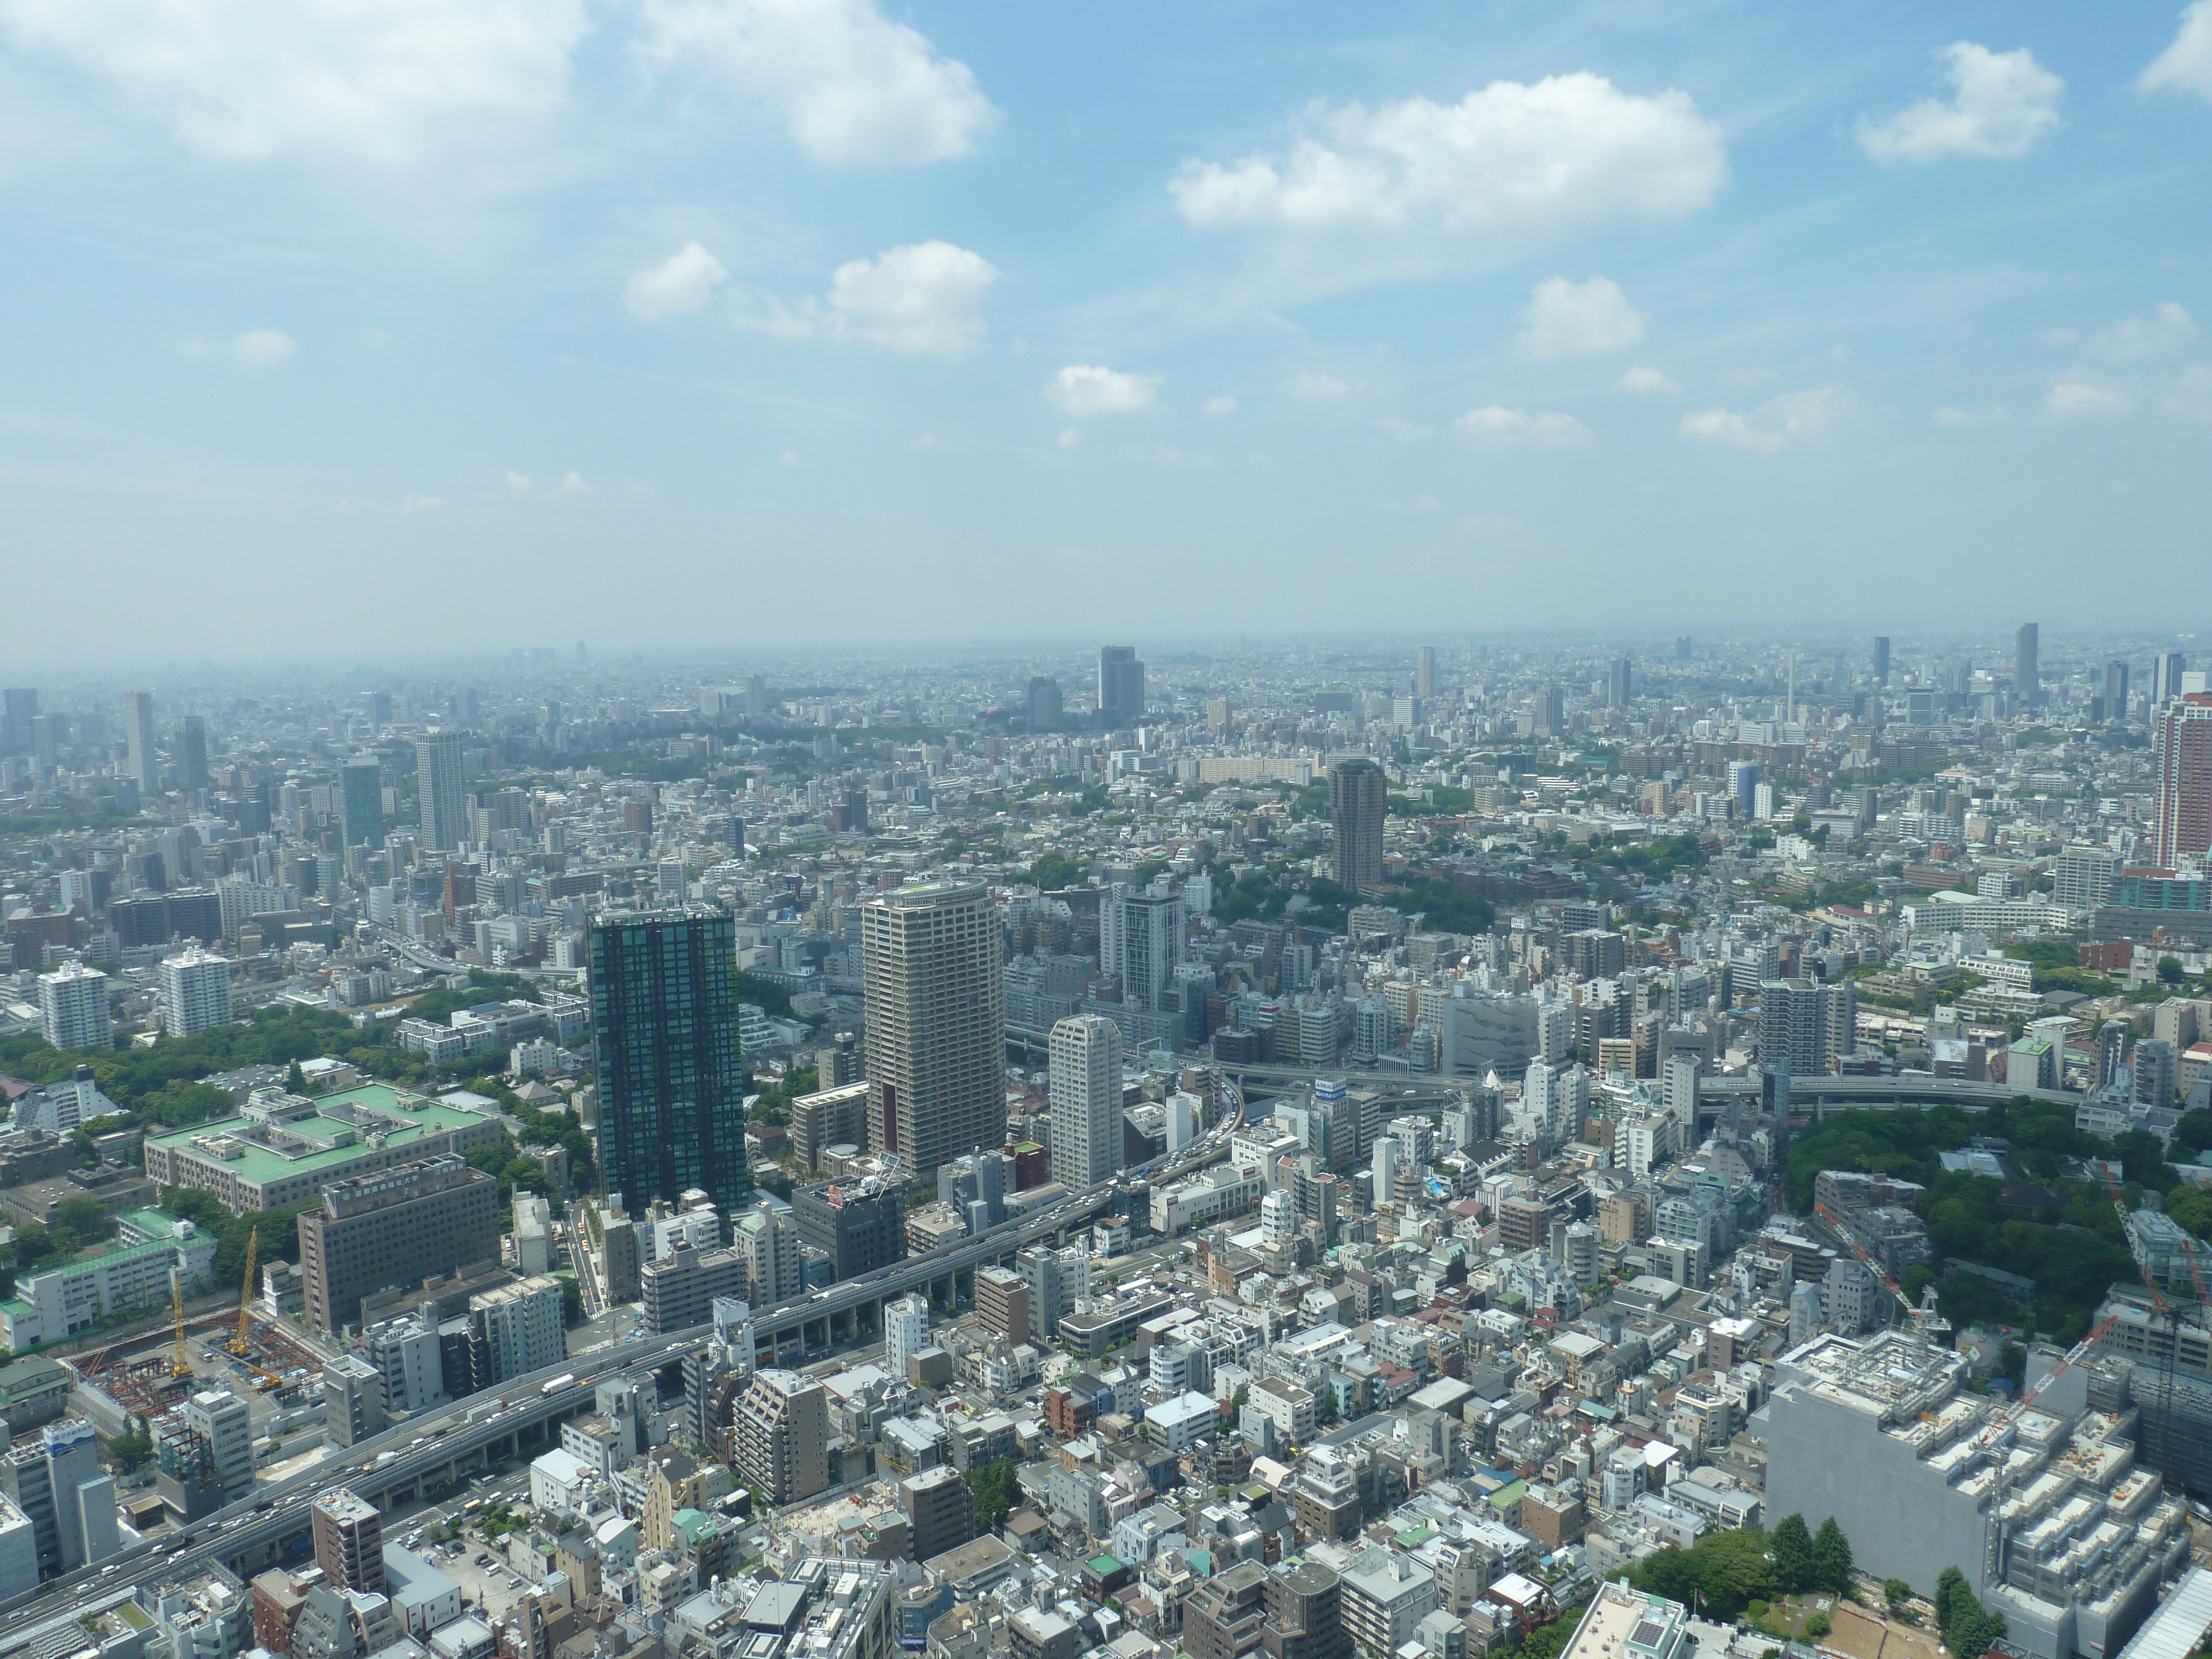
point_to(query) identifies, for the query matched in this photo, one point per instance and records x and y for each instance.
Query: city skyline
(1827, 305)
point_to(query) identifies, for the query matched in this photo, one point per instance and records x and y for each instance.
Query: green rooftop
(330, 1136)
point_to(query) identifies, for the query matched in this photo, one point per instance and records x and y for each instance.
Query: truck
(567, 1379)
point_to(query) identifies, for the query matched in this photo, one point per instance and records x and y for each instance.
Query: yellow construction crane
(179, 1365)
(238, 1344)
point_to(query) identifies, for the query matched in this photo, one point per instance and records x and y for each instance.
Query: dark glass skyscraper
(361, 802)
(672, 1098)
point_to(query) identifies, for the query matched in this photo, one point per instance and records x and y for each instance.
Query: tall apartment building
(2081, 877)
(1085, 1070)
(779, 1435)
(349, 1535)
(1002, 1302)
(73, 1008)
(2026, 676)
(1140, 945)
(2184, 830)
(441, 801)
(940, 1511)
(680, 1288)
(138, 734)
(834, 1116)
(195, 993)
(766, 1239)
(671, 1097)
(1121, 686)
(353, 1399)
(361, 802)
(517, 1329)
(932, 967)
(1804, 1025)
(1359, 796)
(394, 1228)
(906, 1331)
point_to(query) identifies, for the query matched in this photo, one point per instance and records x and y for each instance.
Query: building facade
(937, 1024)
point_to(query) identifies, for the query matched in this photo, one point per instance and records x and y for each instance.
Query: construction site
(241, 1351)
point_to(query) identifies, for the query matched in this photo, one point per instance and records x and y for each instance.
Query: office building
(349, 1535)
(21, 705)
(1140, 945)
(1616, 683)
(1358, 798)
(861, 1226)
(940, 1511)
(1085, 1071)
(361, 802)
(832, 1117)
(73, 1008)
(392, 1229)
(2183, 832)
(2166, 669)
(779, 1435)
(442, 801)
(1743, 788)
(931, 969)
(1880, 666)
(1044, 703)
(195, 993)
(1424, 673)
(671, 1097)
(2026, 676)
(138, 735)
(766, 1239)
(221, 1418)
(2115, 690)
(1121, 687)
(50, 1477)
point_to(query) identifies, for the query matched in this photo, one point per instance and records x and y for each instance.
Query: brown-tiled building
(396, 1227)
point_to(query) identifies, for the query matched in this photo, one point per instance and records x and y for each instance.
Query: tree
(295, 1080)
(1791, 1552)
(1896, 1592)
(996, 1490)
(2170, 971)
(1820, 1623)
(1831, 1558)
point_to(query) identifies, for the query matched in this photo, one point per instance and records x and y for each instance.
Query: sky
(369, 326)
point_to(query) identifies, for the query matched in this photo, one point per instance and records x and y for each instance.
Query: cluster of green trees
(78, 1223)
(997, 1492)
(1968, 1627)
(1724, 1572)
(1444, 909)
(2074, 1247)
(773, 1105)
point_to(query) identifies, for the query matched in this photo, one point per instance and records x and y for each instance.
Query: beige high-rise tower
(932, 966)
(1086, 1100)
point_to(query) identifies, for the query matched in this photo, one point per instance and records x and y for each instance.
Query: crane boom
(179, 1365)
(238, 1344)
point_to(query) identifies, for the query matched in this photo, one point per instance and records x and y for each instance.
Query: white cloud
(1069, 438)
(257, 347)
(392, 83)
(1643, 379)
(1578, 320)
(850, 84)
(1405, 432)
(1218, 406)
(573, 484)
(1508, 169)
(412, 505)
(2167, 329)
(1083, 389)
(1948, 416)
(926, 297)
(1311, 386)
(1745, 374)
(519, 483)
(2003, 104)
(1793, 417)
(2070, 396)
(2186, 66)
(684, 281)
(1498, 425)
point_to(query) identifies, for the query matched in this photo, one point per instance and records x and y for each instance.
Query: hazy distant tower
(1359, 796)
(443, 802)
(1121, 686)
(1881, 658)
(138, 731)
(1424, 673)
(2026, 685)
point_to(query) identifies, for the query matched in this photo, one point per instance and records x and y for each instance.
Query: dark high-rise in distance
(2027, 679)
(1121, 686)
(672, 1098)
(1358, 796)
